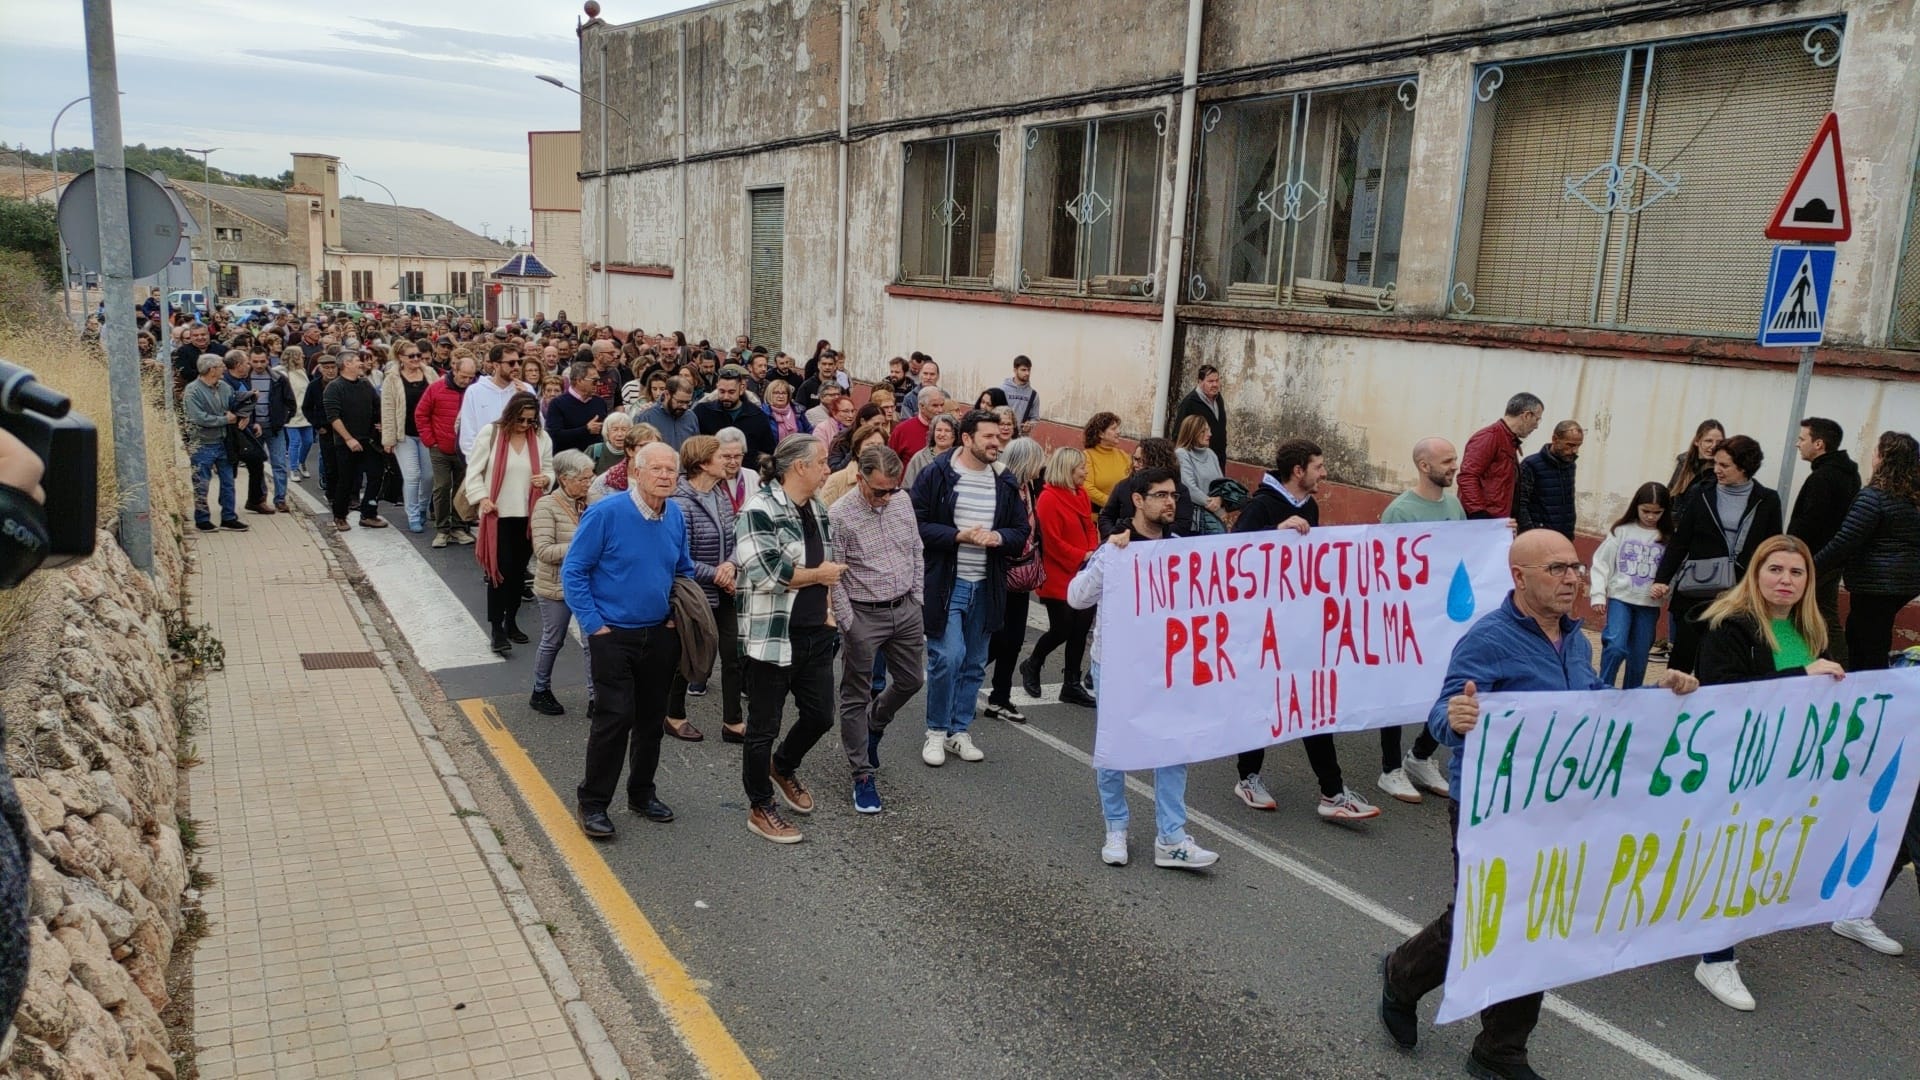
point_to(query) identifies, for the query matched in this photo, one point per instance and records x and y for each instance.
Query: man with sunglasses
(1530, 642)
(878, 609)
(483, 401)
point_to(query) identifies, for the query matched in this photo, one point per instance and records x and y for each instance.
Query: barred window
(413, 283)
(229, 279)
(1906, 287)
(457, 281)
(362, 285)
(1300, 198)
(1092, 203)
(1631, 188)
(949, 211)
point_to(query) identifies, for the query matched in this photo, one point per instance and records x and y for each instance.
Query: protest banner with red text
(1601, 831)
(1216, 644)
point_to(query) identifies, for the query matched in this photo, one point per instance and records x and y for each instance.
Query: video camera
(68, 446)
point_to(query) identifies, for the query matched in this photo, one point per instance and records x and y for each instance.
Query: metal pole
(53, 152)
(1802, 378)
(213, 262)
(606, 200)
(840, 183)
(1170, 284)
(116, 283)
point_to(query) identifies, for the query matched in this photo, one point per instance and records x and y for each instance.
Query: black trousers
(1420, 965)
(809, 679)
(259, 488)
(1424, 744)
(1687, 631)
(1870, 628)
(513, 547)
(1066, 625)
(631, 668)
(1003, 649)
(1320, 754)
(356, 478)
(1827, 596)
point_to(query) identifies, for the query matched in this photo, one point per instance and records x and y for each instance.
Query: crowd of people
(730, 519)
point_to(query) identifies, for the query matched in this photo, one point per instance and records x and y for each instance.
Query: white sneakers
(1347, 806)
(939, 744)
(1867, 933)
(934, 750)
(1427, 775)
(1396, 784)
(961, 746)
(1722, 980)
(1254, 793)
(1185, 855)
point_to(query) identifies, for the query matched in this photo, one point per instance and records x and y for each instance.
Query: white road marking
(434, 621)
(1625, 1041)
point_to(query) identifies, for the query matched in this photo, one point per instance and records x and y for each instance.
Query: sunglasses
(882, 493)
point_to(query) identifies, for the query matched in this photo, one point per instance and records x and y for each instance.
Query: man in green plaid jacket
(784, 549)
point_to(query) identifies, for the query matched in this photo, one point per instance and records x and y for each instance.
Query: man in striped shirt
(878, 608)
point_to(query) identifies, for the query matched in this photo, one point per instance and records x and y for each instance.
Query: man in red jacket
(1490, 466)
(439, 408)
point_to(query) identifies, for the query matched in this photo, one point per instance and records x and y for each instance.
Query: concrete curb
(602, 1058)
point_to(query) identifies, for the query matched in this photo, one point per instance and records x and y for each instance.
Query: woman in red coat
(1067, 534)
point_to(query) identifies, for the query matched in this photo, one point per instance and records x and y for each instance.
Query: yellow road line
(709, 1041)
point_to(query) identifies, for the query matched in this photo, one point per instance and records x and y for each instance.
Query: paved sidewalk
(354, 927)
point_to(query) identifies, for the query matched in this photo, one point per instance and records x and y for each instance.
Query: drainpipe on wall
(606, 199)
(840, 259)
(1177, 240)
(680, 111)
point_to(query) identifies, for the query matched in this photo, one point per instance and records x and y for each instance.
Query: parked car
(425, 310)
(194, 303)
(342, 307)
(254, 306)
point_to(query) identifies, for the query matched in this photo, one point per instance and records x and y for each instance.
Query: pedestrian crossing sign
(1797, 291)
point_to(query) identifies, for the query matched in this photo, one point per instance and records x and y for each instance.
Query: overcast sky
(433, 98)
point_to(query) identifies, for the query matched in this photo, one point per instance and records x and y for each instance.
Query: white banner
(1601, 831)
(1212, 645)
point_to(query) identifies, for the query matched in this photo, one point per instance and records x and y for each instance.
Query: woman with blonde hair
(1768, 626)
(1192, 448)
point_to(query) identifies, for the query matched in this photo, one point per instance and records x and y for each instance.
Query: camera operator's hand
(20, 467)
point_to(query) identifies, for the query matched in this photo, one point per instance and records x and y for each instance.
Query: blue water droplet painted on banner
(1460, 595)
(1863, 862)
(1883, 787)
(1831, 883)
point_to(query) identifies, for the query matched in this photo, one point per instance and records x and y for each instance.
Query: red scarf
(487, 549)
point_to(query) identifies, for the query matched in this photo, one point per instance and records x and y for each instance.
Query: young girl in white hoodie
(1623, 568)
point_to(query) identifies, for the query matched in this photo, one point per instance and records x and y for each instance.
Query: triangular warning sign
(1815, 205)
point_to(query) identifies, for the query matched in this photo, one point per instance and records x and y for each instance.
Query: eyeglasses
(1160, 495)
(1558, 569)
(882, 493)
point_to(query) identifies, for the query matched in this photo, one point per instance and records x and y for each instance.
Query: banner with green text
(1602, 831)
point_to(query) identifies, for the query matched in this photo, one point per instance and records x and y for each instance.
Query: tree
(31, 228)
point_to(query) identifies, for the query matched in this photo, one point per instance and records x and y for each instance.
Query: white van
(193, 303)
(425, 310)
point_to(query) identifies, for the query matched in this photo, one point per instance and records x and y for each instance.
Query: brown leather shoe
(684, 730)
(263, 509)
(766, 821)
(281, 508)
(796, 797)
(373, 522)
(342, 524)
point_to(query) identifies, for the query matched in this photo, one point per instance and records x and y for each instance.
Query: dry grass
(80, 372)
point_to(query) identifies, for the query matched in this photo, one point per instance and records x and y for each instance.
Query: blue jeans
(957, 662)
(1626, 639)
(206, 461)
(1169, 796)
(299, 443)
(276, 447)
(416, 472)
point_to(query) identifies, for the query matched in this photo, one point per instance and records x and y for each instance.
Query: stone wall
(87, 683)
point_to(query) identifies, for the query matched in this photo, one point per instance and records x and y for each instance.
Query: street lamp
(606, 214)
(213, 259)
(393, 230)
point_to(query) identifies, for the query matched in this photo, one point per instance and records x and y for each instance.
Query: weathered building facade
(1395, 214)
(308, 244)
(553, 196)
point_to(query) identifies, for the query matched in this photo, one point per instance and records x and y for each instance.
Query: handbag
(243, 448)
(1026, 572)
(1709, 577)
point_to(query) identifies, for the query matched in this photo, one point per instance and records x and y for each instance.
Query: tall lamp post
(393, 232)
(213, 261)
(53, 151)
(606, 215)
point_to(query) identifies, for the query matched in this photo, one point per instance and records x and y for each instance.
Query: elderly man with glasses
(877, 607)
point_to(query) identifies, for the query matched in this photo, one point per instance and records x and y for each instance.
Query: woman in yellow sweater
(1107, 463)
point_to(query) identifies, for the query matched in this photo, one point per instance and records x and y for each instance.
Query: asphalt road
(971, 930)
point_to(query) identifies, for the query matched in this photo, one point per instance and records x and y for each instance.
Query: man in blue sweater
(1528, 643)
(618, 576)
